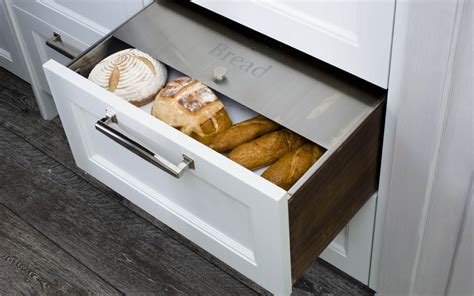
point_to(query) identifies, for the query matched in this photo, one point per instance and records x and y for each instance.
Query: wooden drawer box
(268, 234)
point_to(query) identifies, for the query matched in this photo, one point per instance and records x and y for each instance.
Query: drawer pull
(103, 126)
(57, 44)
(219, 73)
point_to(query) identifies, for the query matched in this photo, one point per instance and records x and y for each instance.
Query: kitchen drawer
(268, 234)
(78, 26)
(36, 32)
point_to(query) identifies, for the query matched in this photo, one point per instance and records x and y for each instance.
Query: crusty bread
(193, 108)
(289, 168)
(266, 149)
(212, 127)
(130, 74)
(243, 132)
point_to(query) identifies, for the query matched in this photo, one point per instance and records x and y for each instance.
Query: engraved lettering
(223, 53)
(229, 53)
(246, 66)
(236, 60)
(260, 71)
(218, 50)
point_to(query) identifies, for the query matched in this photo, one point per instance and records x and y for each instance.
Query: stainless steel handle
(58, 45)
(103, 126)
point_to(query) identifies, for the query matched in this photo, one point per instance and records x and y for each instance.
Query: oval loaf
(193, 108)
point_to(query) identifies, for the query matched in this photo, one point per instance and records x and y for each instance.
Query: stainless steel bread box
(268, 234)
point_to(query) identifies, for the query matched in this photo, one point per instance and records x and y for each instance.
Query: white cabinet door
(352, 35)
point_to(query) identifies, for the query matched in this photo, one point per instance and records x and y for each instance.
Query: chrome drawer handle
(103, 126)
(57, 44)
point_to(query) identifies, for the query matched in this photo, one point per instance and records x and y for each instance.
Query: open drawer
(268, 234)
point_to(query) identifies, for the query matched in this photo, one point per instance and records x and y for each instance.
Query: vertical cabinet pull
(176, 170)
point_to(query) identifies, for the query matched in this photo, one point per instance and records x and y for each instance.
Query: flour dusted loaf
(243, 132)
(266, 149)
(289, 168)
(193, 108)
(132, 75)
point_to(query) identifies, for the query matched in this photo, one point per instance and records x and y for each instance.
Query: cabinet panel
(107, 14)
(352, 248)
(99, 16)
(352, 35)
(10, 56)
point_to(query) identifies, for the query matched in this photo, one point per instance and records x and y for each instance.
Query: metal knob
(219, 73)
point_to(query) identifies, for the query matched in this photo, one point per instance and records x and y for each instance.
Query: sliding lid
(291, 88)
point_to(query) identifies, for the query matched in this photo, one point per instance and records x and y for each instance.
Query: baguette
(243, 132)
(288, 169)
(212, 127)
(266, 149)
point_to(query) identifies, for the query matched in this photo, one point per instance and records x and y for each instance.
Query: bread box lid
(301, 93)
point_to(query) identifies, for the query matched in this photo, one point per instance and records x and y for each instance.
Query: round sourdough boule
(130, 74)
(193, 108)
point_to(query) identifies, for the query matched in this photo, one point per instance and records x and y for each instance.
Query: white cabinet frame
(430, 72)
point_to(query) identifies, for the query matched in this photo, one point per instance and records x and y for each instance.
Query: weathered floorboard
(31, 264)
(20, 114)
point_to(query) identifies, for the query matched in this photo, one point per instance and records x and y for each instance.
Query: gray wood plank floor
(52, 271)
(63, 232)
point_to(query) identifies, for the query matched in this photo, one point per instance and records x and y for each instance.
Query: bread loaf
(288, 169)
(266, 149)
(193, 108)
(131, 74)
(243, 132)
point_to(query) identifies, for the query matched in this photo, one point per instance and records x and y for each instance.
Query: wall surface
(428, 175)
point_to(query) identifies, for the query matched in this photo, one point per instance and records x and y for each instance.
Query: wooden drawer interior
(326, 203)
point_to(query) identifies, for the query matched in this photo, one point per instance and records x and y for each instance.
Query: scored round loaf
(131, 74)
(193, 108)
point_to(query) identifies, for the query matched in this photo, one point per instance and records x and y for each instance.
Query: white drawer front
(233, 213)
(99, 16)
(352, 35)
